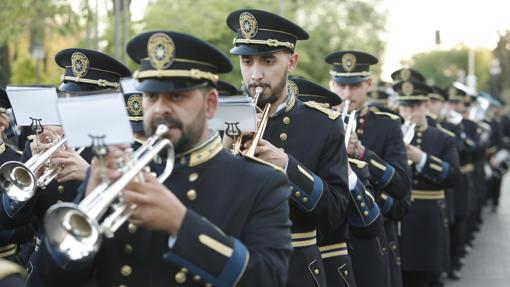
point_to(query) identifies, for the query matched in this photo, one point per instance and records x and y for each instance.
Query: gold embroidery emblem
(293, 88)
(161, 51)
(134, 105)
(407, 88)
(80, 64)
(348, 62)
(249, 25)
(405, 75)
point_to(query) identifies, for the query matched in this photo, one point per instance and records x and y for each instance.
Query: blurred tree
(501, 67)
(443, 67)
(332, 25)
(33, 20)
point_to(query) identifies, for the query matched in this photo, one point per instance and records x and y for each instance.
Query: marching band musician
(434, 159)
(378, 141)
(304, 139)
(363, 217)
(203, 226)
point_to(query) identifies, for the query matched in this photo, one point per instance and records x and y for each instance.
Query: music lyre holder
(100, 150)
(37, 128)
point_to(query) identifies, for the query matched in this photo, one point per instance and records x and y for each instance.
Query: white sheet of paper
(127, 86)
(33, 102)
(95, 115)
(234, 112)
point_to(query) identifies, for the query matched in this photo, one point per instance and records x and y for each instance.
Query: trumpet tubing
(76, 230)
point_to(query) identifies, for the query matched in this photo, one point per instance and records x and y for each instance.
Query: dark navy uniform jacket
(236, 231)
(426, 224)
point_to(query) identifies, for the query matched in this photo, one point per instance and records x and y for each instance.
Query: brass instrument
(76, 230)
(250, 151)
(236, 146)
(20, 180)
(408, 130)
(51, 172)
(350, 127)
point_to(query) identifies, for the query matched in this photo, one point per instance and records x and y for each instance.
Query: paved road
(488, 265)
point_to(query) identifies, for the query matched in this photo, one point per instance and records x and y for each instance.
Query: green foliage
(332, 25)
(24, 71)
(443, 67)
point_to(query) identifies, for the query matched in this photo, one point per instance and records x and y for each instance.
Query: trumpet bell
(17, 180)
(74, 234)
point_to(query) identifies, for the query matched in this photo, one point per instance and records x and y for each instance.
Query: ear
(331, 85)
(293, 61)
(369, 82)
(211, 103)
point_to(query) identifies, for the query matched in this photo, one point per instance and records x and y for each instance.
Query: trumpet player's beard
(183, 137)
(275, 93)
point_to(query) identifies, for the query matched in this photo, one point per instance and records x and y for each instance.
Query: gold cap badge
(80, 64)
(407, 88)
(161, 51)
(134, 105)
(348, 62)
(248, 24)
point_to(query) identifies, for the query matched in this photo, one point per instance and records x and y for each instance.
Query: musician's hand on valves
(355, 148)
(106, 168)
(49, 135)
(268, 152)
(156, 207)
(73, 165)
(414, 154)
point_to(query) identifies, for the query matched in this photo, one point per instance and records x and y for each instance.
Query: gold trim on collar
(363, 111)
(291, 102)
(204, 152)
(99, 82)
(268, 42)
(136, 119)
(349, 74)
(195, 74)
(2, 148)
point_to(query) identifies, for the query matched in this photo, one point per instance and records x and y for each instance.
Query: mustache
(168, 121)
(255, 85)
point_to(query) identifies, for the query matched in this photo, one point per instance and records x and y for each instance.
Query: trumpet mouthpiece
(161, 129)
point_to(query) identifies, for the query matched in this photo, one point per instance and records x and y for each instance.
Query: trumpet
(76, 231)
(350, 127)
(236, 146)
(408, 129)
(20, 180)
(345, 110)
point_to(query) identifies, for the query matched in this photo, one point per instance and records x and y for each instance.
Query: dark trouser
(457, 240)
(390, 227)
(416, 279)
(494, 190)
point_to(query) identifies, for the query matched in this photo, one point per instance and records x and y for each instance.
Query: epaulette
(329, 112)
(390, 115)
(8, 268)
(359, 163)
(261, 161)
(450, 133)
